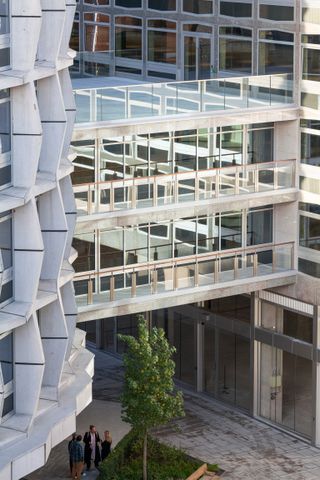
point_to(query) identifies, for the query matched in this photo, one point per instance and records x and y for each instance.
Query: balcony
(196, 276)
(181, 187)
(118, 103)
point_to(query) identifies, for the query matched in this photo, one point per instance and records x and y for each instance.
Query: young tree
(149, 398)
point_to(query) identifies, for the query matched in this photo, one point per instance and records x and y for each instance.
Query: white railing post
(111, 197)
(112, 292)
(133, 284)
(89, 200)
(155, 193)
(154, 281)
(90, 292)
(196, 274)
(93, 105)
(216, 270)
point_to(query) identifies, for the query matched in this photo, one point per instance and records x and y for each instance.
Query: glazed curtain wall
(102, 249)
(169, 152)
(162, 52)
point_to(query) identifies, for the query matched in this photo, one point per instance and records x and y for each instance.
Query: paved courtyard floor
(243, 447)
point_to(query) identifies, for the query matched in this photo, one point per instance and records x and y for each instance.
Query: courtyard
(243, 447)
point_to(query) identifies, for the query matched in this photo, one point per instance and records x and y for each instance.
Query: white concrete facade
(45, 370)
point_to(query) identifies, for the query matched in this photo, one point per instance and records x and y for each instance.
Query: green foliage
(164, 462)
(149, 398)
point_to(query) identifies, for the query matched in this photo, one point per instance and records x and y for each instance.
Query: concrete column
(148, 317)
(99, 333)
(115, 333)
(254, 353)
(297, 72)
(171, 326)
(200, 354)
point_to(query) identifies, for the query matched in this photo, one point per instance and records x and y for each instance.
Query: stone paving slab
(242, 446)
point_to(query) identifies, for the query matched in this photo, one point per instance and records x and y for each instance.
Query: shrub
(164, 462)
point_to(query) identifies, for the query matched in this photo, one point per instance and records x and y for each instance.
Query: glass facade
(189, 57)
(201, 40)
(6, 376)
(4, 35)
(214, 355)
(171, 152)
(286, 389)
(171, 239)
(5, 139)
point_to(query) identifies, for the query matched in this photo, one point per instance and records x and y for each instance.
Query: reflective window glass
(200, 7)
(128, 3)
(278, 13)
(6, 358)
(164, 5)
(235, 9)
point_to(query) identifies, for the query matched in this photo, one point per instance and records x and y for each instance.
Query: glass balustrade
(180, 187)
(173, 98)
(182, 273)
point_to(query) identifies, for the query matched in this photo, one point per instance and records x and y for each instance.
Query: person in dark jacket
(76, 455)
(91, 441)
(73, 439)
(106, 445)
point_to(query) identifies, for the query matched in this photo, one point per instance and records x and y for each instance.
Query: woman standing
(106, 445)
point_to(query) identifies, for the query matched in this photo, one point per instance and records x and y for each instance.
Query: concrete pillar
(254, 353)
(99, 333)
(171, 326)
(200, 354)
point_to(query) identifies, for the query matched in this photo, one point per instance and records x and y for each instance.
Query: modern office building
(197, 187)
(45, 370)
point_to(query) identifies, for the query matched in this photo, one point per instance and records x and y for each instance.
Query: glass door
(204, 58)
(197, 58)
(190, 58)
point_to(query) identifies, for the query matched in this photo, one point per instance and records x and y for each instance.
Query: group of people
(94, 451)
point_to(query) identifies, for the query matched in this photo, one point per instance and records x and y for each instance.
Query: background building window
(129, 37)
(271, 10)
(201, 7)
(162, 41)
(235, 9)
(235, 50)
(275, 52)
(96, 26)
(128, 3)
(164, 5)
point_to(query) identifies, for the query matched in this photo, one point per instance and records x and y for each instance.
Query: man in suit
(91, 441)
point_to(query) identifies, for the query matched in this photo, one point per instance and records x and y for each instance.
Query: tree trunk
(145, 450)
